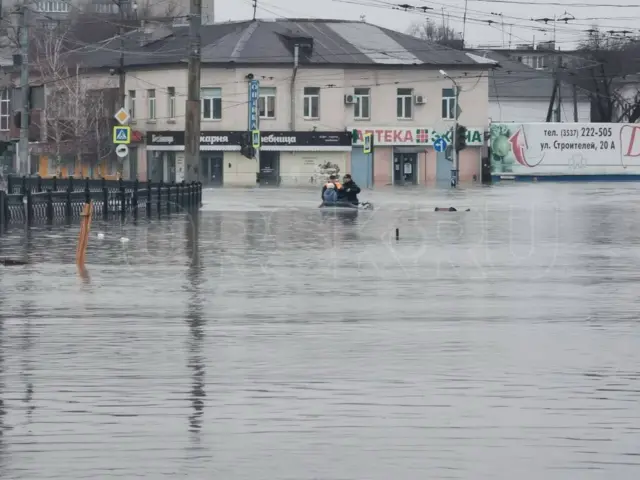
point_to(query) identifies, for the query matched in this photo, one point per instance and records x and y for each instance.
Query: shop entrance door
(269, 168)
(211, 169)
(405, 169)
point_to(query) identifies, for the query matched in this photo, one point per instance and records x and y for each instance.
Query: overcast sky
(617, 15)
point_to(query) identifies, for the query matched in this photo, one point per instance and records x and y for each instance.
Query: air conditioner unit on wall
(349, 99)
(419, 99)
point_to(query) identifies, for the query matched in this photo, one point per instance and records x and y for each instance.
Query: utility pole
(456, 116)
(121, 75)
(23, 146)
(558, 64)
(255, 8)
(192, 114)
(464, 23)
(575, 103)
(454, 152)
(121, 78)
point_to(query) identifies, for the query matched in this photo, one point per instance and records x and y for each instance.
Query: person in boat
(350, 190)
(332, 181)
(329, 194)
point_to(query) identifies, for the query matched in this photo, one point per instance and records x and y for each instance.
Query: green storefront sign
(474, 137)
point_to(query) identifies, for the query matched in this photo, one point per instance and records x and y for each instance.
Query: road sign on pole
(255, 138)
(440, 145)
(122, 116)
(122, 135)
(122, 151)
(367, 140)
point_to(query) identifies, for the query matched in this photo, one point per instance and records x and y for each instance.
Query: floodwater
(262, 340)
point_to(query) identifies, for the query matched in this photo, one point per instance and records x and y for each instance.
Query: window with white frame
(171, 105)
(404, 99)
(151, 104)
(5, 110)
(211, 103)
(311, 104)
(267, 102)
(132, 104)
(362, 107)
(448, 104)
(53, 6)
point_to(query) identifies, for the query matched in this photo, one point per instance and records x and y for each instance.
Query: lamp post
(454, 152)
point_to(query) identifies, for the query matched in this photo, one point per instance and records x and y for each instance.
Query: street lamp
(454, 152)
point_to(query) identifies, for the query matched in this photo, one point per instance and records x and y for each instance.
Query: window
(151, 104)
(403, 103)
(311, 102)
(448, 104)
(132, 104)
(53, 6)
(362, 108)
(5, 110)
(211, 103)
(267, 102)
(171, 98)
(539, 63)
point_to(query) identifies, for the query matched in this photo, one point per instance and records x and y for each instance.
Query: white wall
(334, 83)
(239, 170)
(528, 111)
(304, 168)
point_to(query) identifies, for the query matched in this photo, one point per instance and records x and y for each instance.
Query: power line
(527, 25)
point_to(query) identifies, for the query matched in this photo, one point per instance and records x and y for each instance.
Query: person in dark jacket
(350, 190)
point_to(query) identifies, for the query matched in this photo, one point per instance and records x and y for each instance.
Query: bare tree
(439, 33)
(73, 123)
(607, 71)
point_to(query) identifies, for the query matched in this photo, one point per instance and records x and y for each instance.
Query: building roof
(513, 79)
(322, 42)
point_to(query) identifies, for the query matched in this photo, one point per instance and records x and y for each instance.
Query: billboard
(565, 149)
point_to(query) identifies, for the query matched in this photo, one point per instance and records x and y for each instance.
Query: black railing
(48, 200)
(17, 184)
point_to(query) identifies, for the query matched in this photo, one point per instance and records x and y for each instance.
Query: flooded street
(265, 340)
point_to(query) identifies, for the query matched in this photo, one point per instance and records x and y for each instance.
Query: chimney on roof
(304, 43)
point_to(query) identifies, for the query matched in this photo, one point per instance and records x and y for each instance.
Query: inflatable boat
(346, 206)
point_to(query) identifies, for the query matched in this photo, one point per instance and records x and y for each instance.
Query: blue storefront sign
(254, 94)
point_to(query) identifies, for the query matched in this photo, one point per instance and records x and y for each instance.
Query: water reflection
(196, 325)
(502, 346)
(3, 391)
(27, 345)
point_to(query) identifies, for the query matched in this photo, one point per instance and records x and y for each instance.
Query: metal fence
(37, 200)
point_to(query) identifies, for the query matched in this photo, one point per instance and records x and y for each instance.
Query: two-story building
(318, 81)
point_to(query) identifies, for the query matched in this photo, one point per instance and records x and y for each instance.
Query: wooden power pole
(192, 113)
(23, 145)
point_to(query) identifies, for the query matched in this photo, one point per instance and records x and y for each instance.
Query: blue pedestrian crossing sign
(440, 145)
(122, 135)
(255, 138)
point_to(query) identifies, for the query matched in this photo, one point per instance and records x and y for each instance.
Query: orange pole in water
(83, 238)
